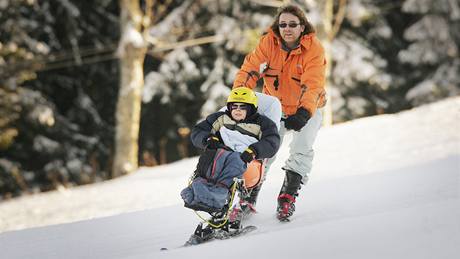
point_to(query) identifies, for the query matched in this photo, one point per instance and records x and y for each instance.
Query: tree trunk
(323, 29)
(327, 31)
(132, 52)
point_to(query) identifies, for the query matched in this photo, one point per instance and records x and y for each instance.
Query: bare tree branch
(148, 17)
(339, 17)
(270, 3)
(161, 10)
(162, 46)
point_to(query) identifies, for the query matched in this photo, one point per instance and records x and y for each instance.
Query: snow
(444, 80)
(132, 36)
(431, 37)
(161, 31)
(357, 12)
(176, 68)
(382, 187)
(216, 90)
(45, 145)
(3, 4)
(43, 115)
(424, 88)
(425, 6)
(356, 62)
(155, 83)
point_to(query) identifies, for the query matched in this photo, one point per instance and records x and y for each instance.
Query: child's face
(239, 111)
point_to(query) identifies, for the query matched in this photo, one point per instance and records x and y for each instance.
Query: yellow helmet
(243, 95)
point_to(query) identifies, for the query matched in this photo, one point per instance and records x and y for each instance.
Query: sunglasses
(291, 25)
(243, 107)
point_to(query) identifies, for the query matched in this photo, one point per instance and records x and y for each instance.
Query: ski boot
(246, 205)
(287, 196)
(217, 228)
(211, 228)
(200, 235)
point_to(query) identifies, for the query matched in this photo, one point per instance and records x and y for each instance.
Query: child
(231, 139)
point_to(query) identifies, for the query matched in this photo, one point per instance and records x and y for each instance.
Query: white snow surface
(381, 187)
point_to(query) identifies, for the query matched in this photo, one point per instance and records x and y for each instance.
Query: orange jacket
(297, 78)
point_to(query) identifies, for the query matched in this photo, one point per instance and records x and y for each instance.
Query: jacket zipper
(287, 56)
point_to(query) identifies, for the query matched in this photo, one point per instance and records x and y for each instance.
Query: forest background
(62, 79)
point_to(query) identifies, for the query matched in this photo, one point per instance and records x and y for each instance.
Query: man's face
(290, 28)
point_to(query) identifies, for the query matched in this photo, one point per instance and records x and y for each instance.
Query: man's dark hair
(294, 10)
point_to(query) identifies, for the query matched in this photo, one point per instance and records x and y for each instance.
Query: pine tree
(59, 130)
(433, 50)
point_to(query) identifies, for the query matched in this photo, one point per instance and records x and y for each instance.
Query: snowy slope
(382, 187)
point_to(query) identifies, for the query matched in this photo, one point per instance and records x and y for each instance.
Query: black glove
(248, 155)
(297, 120)
(213, 142)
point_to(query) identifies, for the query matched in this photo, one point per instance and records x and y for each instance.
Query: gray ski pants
(301, 148)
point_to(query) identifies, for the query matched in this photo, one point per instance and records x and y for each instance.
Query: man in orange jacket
(291, 62)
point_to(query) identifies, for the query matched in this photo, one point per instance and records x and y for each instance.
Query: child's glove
(213, 142)
(298, 120)
(248, 155)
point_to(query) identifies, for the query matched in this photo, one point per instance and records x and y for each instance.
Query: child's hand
(248, 155)
(213, 142)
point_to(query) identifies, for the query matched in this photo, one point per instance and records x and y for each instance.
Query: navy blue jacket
(258, 126)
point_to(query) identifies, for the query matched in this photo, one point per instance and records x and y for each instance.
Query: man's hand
(298, 120)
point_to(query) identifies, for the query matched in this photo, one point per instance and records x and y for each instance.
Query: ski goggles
(291, 25)
(243, 107)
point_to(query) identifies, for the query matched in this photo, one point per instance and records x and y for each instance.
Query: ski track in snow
(382, 187)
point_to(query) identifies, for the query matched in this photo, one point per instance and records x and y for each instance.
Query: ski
(284, 219)
(219, 234)
(239, 232)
